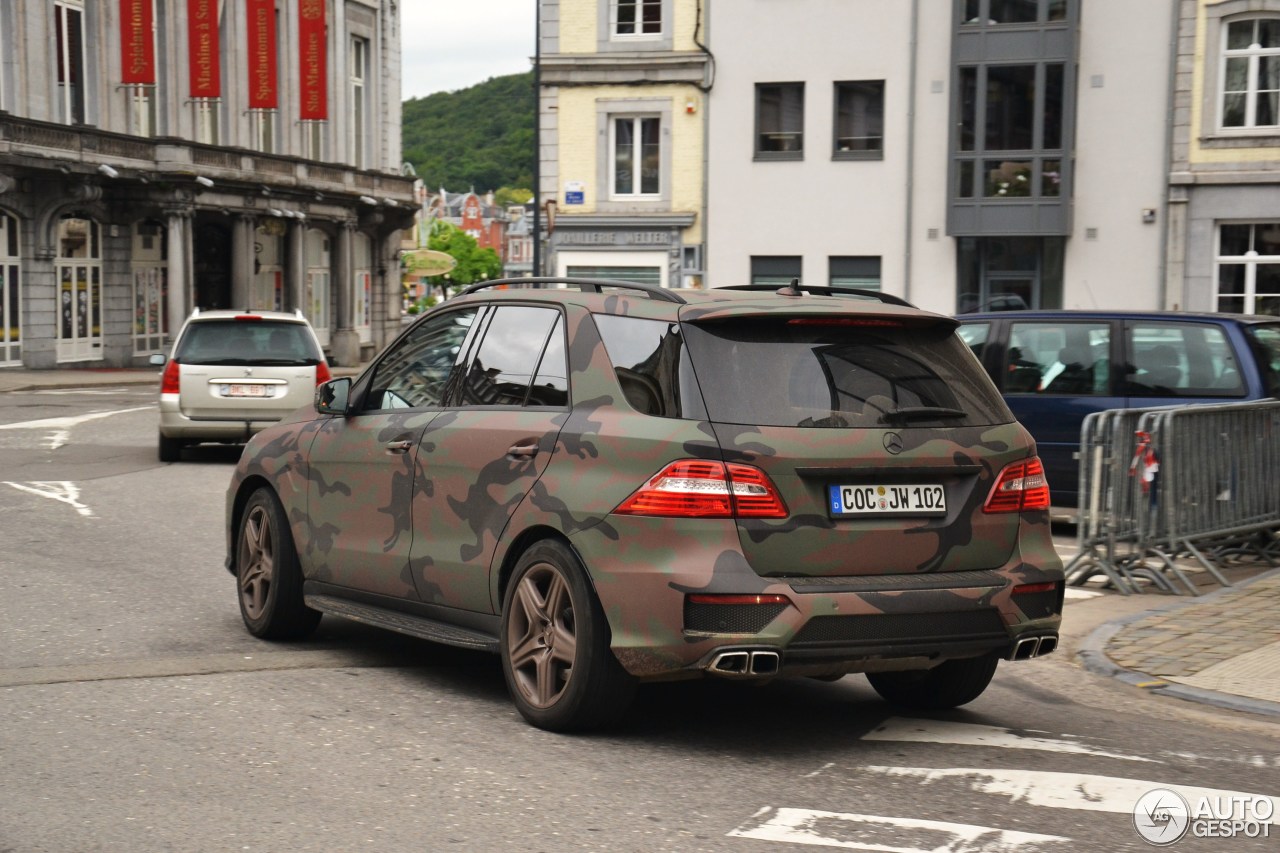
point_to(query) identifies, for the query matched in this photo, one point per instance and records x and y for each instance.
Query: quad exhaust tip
(743, 663)
(1034, 647)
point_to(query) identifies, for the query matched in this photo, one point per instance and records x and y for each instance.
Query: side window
(975, 337)
(502, 370)
(551, 385)
(1058, 358)
(1181, 360)
(415, 371)
(648, 361)
(1266, 340)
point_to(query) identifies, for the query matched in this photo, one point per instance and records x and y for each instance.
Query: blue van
(1055, 367)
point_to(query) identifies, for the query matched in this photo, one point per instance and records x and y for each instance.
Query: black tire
(948, 685)
(268, 577)
(560, 671)
(170, 449)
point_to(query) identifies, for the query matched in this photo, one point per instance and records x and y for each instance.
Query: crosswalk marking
(973, 734)
(859, 832)
(1055, 790)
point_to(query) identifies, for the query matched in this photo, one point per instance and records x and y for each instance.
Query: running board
(404, 623)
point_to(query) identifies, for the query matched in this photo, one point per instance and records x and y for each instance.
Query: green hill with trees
(480, 137)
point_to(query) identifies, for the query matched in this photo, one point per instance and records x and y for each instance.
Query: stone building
(157, 158)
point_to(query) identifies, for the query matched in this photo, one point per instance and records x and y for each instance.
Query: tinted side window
(551, 385)
(1267, 343)
(649, 360)
(1181, 360)
(509, 353)
(414, 372)
(1048, 357)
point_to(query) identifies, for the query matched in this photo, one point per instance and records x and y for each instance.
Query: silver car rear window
(247, 342)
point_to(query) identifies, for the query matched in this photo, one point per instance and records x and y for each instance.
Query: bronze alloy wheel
(268, 577)
(257, 561)
(559, 668)
(542, 640)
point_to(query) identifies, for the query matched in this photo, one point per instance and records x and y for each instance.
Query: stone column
(242, 257)
(345, 342)
(179, 242)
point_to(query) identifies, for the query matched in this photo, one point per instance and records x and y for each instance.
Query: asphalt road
(136, 714)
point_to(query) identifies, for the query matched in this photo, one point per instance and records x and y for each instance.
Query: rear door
(483, 454)
(1055, 373)
(882, 434)
(246, 368)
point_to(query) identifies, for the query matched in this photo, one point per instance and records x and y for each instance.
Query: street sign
(427, 262)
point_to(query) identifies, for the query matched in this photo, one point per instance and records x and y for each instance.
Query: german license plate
(247, 391)
(916, 499)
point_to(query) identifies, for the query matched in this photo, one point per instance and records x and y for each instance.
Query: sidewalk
(1221, 648)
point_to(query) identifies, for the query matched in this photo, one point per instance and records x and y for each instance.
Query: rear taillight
(695, 488)
(322, 373)
(1021, 487)
(169, 380)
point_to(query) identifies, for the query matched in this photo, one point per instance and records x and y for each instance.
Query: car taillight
(1019, 488)
(169, 383)
(694, 488)
(322, 373)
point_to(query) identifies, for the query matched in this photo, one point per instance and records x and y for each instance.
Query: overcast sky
(453, 44)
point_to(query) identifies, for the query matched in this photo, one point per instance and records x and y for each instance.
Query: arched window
(10, 293)
(78, 271)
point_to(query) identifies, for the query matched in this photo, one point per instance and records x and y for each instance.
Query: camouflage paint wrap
(443, 521)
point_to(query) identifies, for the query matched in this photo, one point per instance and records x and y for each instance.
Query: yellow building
(622, 138)
(1224, 194)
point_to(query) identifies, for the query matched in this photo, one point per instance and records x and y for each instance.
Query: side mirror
(333, 397)
(157, 359)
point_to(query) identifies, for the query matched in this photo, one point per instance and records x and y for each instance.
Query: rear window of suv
(810, 373)
(247, 342)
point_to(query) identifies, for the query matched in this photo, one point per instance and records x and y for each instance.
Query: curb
(1092, 654)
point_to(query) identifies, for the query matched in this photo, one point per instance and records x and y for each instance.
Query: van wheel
(268, 575)
(170, 449)
(948, 685)
(560, 671)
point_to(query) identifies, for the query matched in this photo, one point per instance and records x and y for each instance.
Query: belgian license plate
(915, 499)
(247, 391)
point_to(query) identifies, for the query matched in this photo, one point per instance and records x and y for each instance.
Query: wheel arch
(247, 487)
(523, 542)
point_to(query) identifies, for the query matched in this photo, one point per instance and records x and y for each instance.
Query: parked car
(1056, 367)
(613, 483)
(233, 373)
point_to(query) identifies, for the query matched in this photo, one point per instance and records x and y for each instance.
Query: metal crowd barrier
(1157, 485)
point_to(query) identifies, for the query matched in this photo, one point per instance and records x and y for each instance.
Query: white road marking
(836, 829)
(63, 491)
(62, 426)
(95, 392)
(972, 734)
(1077, 592)
(1066, 790)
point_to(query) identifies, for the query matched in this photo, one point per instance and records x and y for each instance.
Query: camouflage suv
(610, 483)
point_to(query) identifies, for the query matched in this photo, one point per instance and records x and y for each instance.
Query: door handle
(402, 446)
(526, 450)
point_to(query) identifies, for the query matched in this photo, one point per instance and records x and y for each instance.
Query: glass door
(78, 271)
(10, 294)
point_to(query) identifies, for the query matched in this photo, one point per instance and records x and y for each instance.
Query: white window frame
(318, 257)
(71, 102)
(654, 260)
(637, 8)
(358, 82)
(264, 126)
(637, 148)
(1253, 55)
(362, 287)
(150, 267)
(76, 338)
(206, 115)
(1250, 260)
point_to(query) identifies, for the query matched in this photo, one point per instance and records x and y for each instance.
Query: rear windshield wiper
(920, 413)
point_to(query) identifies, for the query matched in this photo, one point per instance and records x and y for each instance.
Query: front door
(78, 271)
(10, 293)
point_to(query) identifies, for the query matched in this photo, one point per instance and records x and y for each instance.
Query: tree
(474, 263)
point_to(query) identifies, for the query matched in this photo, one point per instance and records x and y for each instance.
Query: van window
(975, 337)
(1181, 360)
(1048, 357)
(1267, 343)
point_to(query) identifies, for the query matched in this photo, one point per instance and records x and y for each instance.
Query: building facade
(1224, 212)
(160, 157)
(622, 145)
(961, 153)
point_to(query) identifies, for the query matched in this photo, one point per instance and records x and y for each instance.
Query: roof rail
(586, 285)
(795, 288)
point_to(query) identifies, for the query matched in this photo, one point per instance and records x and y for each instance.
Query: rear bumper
(175, 424)
(830, 625)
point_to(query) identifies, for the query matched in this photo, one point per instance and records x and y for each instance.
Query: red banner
(263, 85)
(204, 50)
(137, 43)
(313, 65)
